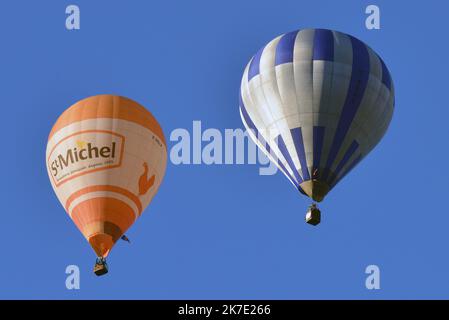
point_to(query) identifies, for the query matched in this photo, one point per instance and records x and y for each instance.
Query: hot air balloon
(106, 157)
(316, 102)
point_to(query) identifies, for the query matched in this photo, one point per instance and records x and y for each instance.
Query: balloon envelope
(106, 157)
(316, 102)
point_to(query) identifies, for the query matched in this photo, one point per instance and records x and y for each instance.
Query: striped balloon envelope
(106, 157)
(316, 102)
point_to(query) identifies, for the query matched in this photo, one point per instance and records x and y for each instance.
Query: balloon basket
(101, 267)
(313, 215)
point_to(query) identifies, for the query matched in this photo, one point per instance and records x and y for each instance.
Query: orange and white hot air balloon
(106, 157)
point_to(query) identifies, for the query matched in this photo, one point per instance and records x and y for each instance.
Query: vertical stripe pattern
(321, 100)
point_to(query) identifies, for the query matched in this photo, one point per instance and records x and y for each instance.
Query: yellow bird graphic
(80, 144)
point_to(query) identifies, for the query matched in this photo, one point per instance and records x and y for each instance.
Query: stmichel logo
(87, 151)
(84, 152)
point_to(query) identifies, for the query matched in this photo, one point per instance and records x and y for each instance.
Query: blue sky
(223, 231)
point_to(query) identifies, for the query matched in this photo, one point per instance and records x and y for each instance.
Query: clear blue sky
(223, 231)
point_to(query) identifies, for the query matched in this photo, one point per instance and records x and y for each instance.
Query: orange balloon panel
(106, 157)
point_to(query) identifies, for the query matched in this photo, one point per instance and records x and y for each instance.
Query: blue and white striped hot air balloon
(316, 102)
